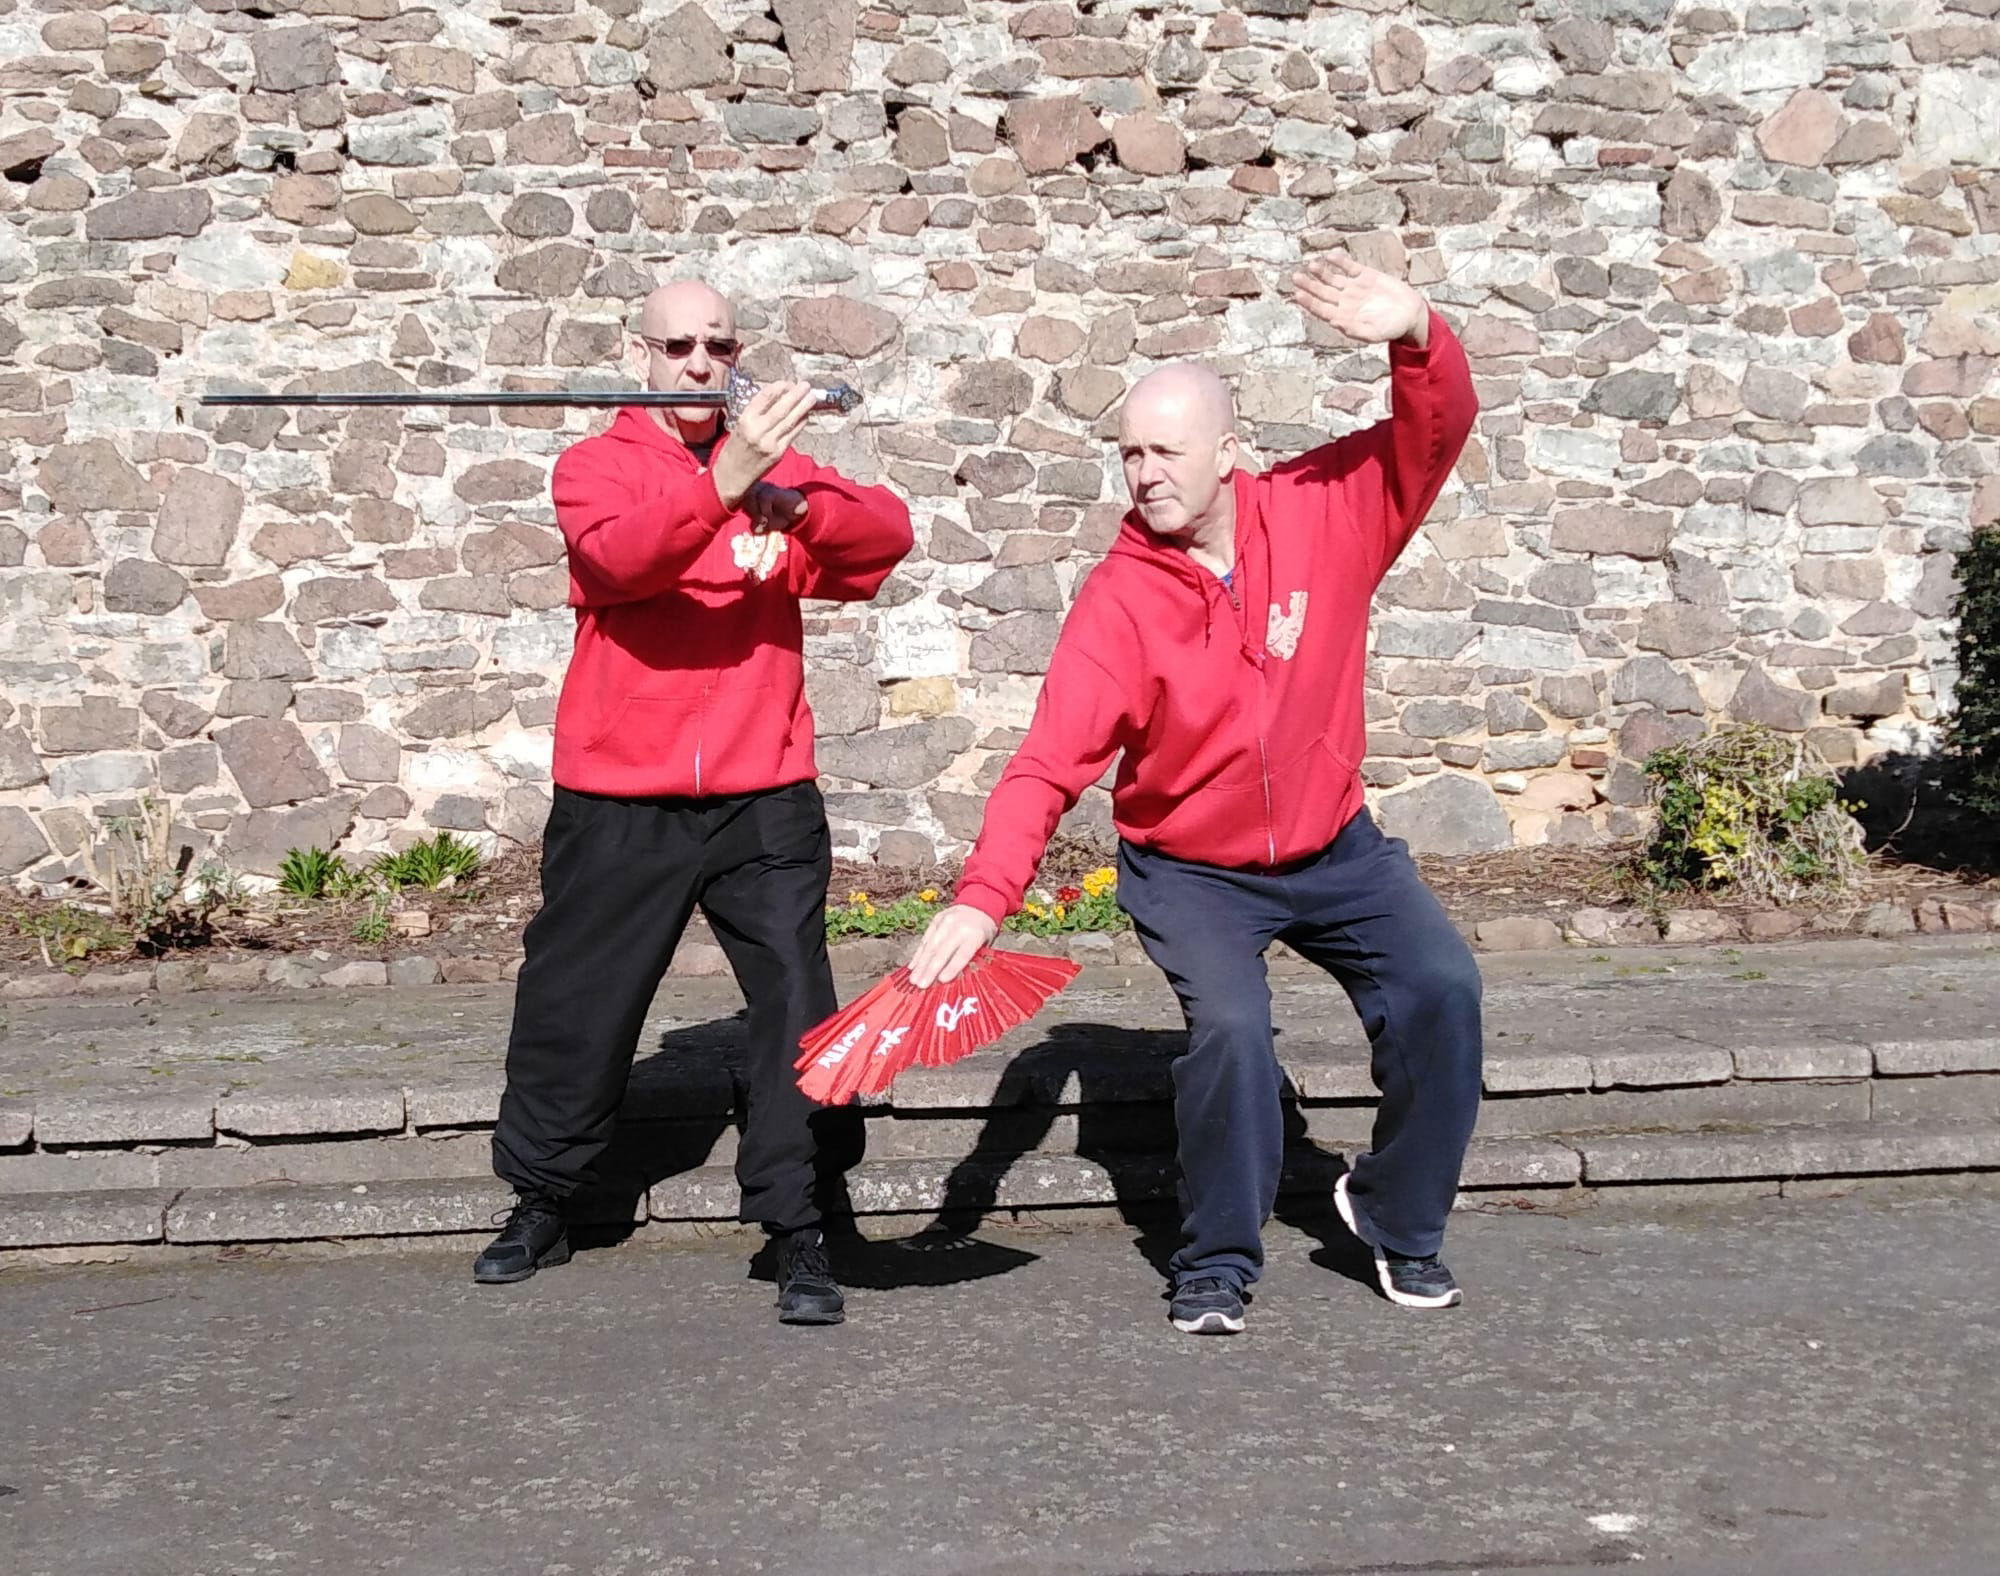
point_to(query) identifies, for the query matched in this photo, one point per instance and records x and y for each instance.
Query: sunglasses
(720, 349)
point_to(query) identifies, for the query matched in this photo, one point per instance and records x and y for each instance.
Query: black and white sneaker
(533, 1238)
(1207, 1305)
(807, 1293)
(1411, 1283)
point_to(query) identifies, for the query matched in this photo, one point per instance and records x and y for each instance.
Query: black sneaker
(1408, 1282)
(1207, 1305)
(534, 1238)
(806, 1290)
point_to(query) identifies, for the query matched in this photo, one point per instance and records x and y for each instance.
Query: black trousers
(1362, 912)
(620, 880)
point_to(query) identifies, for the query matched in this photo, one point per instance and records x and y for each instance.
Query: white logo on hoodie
(1282, 638)
(758, 551)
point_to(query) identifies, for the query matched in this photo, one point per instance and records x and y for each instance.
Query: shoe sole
(1402, 1299)
(812, 1316)
(556, 1255)
(1210, 1324)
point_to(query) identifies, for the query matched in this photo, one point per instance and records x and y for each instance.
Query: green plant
(143, 872)
(437, 861)
(373, 926)
(312, 872)
(1973, 730)
(68, 934)
(1748, 809)
(861, 915)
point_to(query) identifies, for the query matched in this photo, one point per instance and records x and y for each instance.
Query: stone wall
(1729, 277)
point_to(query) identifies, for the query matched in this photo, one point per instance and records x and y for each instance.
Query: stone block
(1659, 1065)
(1677, 1108)
(1902, 1058)
(473, 1103)
(1520, 1162)
(17, 1123)
(114, 1118)
(1847, 1149)
(1546, 1072)
(291, 1212)
(79, 1171)
(414, 971)
(269, 1113)
(49, 1220)
(1804, 1059)
(363, 973)
(344, 1161)
(1948, 1097)
(1324, 1074)
(1520, 933)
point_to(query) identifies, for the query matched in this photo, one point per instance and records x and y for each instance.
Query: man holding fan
(1217, 655)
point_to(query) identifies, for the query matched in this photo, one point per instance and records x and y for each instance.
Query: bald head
(687, 340)
(687, 306)
(1184, 394)
(1177, 442)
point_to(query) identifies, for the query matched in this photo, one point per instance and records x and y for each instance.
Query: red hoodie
(1235, 713)
(687, 676)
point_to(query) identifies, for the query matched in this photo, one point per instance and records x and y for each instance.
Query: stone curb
(293, 1212)
(698, 959)
(80, 1121)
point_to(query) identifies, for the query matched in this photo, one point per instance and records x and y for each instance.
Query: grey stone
(1635, 395)
(1543, 1072)
(1020, 643)
(1904, 1058)
(137, 585)
(109, 1117)
(1662, 1063)
(1803, 1059)
(281, 1213)
(48, 1220)
(1447, 814)
(1857, 1149)
(1026, 588)
(359, 974)
(21, 841)
(310, 1108)
(907, 756)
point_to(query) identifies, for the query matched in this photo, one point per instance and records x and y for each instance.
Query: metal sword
(734, 394)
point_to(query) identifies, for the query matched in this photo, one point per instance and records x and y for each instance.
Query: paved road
(1807, 1386)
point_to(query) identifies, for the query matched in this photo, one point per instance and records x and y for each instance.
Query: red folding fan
(861, 1048)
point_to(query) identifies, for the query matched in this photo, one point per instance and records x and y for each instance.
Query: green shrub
(1973, 731)
(1751, 810)
(435, 862)
(311, 872)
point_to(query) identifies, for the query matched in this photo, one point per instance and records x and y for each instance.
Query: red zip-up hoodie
(1235, 713)
(687, 677)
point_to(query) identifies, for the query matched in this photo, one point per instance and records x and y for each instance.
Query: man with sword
(685, 779)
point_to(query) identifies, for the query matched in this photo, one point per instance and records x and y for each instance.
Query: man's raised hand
(759, 437)
(1364, 303)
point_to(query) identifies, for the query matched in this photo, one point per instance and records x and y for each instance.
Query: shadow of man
(1112, 1089)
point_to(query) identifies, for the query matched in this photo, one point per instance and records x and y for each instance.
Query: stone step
(648, 1147)
(425, 1205)
(1641, 1083)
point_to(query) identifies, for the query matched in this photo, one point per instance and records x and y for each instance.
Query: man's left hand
(774, 508)
(1364, 303)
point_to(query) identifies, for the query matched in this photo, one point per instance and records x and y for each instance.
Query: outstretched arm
(1383, 480)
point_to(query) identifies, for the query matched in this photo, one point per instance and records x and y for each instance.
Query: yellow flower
(1060, 911)
(867, 910)
(1034, 910)
(928, 895)
(1100, 881)
(857, 897)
